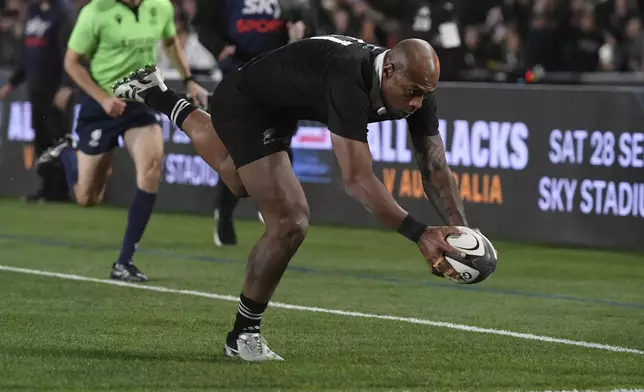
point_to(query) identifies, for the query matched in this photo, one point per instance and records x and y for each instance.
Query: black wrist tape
(412, 229)
(188, 79)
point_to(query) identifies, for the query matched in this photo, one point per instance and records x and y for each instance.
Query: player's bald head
(418, 60)
(410, 72)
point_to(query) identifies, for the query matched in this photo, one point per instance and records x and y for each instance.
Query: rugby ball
(479, 261)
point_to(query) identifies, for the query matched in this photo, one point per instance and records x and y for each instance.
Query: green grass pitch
(58, 334)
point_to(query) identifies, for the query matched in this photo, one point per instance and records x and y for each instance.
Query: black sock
(170, 104)
(249, 317)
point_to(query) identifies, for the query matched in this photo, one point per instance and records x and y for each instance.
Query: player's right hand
(113, 106)
(432, 245)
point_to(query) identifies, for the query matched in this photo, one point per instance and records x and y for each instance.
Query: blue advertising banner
(558, 165)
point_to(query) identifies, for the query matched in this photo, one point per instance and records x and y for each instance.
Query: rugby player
(337, 80)
(118, 36)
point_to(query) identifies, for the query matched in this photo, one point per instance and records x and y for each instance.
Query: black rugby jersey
(332, 79)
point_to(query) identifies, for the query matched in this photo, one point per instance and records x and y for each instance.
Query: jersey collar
(128, 5)
(376, 92)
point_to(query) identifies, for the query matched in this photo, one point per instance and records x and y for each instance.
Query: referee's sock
(70, 163)
(170, 104)
(137, 219)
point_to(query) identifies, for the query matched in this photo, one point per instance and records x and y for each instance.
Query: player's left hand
(198, 94)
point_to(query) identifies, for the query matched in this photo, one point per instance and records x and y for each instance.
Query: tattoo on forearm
(438, 182)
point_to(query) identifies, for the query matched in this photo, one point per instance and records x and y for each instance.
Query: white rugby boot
(251, 347)
(138, 84)
(53, 153)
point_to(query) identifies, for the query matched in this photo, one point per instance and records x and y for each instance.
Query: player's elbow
(171, 43)
(354, 183)
(67, 66)
(350, 181)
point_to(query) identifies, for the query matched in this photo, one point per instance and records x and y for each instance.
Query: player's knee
(149, 174)
(294, 228)
(292, 224)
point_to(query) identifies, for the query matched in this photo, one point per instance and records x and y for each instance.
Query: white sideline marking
(592, 390)
(461, 327)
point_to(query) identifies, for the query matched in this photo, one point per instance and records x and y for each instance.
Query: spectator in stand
(423, 19)
(335, 18)
(544, 39)
(21, 6)
(512, 51)
(199, 59)
(189, 8)
(9, 40)
(585, 42)
(474, 57)
(506, 51)
(613, 16)
(611, 56)
(519, 13)
(633, 45)
(47, 29)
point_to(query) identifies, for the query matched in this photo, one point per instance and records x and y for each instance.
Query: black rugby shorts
(249, 130)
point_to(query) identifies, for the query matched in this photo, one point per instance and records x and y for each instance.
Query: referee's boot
(51, 155)
(250, 347)
(138, 84)
(127, 272)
